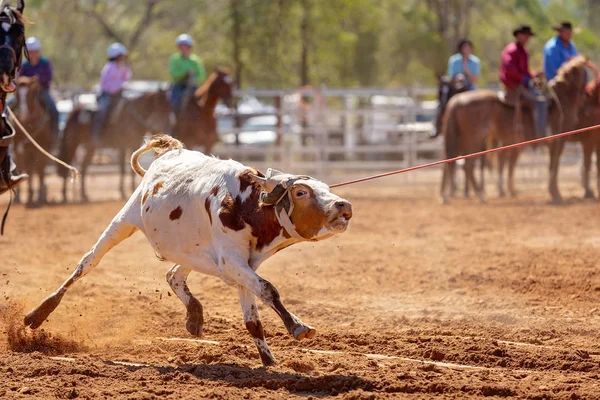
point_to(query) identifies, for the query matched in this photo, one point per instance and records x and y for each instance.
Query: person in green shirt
(186, 70)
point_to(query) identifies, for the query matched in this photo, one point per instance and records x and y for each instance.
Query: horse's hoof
(304, 332)
(557, 201)
(444, 201)
(513, 194)
(589, 194)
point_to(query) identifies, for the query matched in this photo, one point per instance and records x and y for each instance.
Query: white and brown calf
(219, 218)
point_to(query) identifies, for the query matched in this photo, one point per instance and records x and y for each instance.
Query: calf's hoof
(267, 359)
(38, 315)
(304, 332)
(194, 318)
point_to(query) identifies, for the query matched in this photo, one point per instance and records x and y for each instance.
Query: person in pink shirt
(112, 79)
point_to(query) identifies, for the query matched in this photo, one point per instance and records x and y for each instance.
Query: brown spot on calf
(256, 329)
(176, 213)
(207, 206)
(145, 197)
(157, 187)
(235, 214)
(308, 215)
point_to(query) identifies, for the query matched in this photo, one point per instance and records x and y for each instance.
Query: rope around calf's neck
(480, 153)
(74, 171)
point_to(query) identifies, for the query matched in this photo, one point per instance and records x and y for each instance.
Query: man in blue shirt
(465, 63)
(559, 49)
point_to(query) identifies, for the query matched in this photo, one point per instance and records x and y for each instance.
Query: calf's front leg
(240, 272)
(254, 325)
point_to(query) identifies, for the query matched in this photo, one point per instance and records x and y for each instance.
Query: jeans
(104, 102)
(48, 102)
(178, 90)
(540, 112)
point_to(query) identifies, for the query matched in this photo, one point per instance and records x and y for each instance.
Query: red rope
(480, 153)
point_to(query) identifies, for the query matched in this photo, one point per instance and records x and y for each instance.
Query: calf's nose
(344, 208)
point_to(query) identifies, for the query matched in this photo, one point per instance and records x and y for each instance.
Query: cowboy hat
(526, 29)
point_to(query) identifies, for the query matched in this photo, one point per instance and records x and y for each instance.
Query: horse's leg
(470, 172)
(87, 160)
(122, 173)
(30, 188)
(446, 181)
(598, 166)
(482, 169)
(513, 155)
(587, 164)
(556, 148)
(467, 189)
(43, 190)
(501, 174)
(453, 185)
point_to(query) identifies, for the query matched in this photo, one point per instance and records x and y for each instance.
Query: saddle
(513, 98)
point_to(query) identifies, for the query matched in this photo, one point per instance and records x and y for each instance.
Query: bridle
(279, 195)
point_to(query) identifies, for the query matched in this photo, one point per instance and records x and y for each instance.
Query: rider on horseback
(112, 79)
(517, 78)
(559, 49)
(187, 71)
(42, 68)
(466, 64)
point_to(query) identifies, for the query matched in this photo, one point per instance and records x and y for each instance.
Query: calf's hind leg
(194, 320)
(254, 326)
(117, 231)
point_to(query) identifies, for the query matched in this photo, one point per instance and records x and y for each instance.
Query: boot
(9, 176)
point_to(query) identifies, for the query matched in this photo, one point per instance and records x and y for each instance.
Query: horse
(476, 120)
(34, 117)
(12, 47)
(196, 125)
(448, 87)
(590, 141)
(148, 113)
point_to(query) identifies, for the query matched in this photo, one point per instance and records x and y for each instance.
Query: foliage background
(286, 43)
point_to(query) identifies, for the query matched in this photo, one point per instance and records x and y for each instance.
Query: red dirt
(466, 301)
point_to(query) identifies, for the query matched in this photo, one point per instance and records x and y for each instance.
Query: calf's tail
(160, 144)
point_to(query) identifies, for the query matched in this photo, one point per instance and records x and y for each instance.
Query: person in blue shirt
(559, 49)
(463, 62)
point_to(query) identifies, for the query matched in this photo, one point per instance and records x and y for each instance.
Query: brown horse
(33, 116)
(148, 113)
(474, 120)
(196, 124)
(590, 141)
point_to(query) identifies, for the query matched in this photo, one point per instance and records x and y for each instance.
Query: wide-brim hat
(563, 26)
(525, 29)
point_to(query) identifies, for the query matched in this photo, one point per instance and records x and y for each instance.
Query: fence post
(349, 131)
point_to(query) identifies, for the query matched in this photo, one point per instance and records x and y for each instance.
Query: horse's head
(28, 94)
(219, 85)
(12, 44)
(570, 87)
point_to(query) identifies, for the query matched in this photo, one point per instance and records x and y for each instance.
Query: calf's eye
(300, 193)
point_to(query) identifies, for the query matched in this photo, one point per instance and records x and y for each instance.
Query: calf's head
(304, 206)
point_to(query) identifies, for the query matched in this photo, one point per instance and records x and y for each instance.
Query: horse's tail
(160, 144)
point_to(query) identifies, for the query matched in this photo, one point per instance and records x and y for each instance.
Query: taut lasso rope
(480, 153)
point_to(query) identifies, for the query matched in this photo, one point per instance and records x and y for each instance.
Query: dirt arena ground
(416, 300)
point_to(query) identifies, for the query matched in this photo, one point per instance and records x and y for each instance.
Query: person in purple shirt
(42, 68)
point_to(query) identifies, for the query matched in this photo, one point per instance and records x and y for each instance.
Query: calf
(220, 218)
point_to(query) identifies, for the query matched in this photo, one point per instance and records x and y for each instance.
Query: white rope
(74, 171)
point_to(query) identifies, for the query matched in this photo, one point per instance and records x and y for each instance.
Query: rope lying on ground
(480, 153)
(74, 171)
